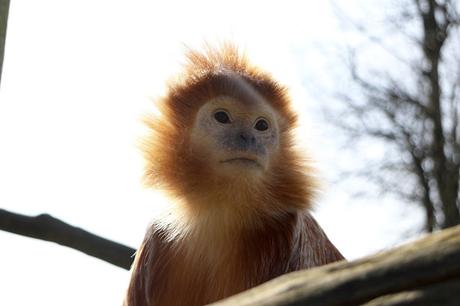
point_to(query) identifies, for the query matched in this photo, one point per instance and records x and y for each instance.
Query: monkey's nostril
(243, 137)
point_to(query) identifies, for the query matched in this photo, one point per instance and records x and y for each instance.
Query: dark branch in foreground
(45, 227)
(425, 272)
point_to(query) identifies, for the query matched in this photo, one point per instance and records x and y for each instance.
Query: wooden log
(443, 293)
(431, 264)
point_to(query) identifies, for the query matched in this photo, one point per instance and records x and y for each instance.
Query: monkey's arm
(322, 249)
(137, 286)
(140, 284)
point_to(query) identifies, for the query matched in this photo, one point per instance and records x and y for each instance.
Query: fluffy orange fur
(223, 236)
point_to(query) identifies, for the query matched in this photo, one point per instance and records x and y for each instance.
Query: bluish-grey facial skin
(246, 140)
(238, 143)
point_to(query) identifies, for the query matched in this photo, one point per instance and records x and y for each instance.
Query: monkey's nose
(246, 138)
(245, 141)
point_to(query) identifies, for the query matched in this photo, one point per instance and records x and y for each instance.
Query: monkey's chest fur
(190, 270)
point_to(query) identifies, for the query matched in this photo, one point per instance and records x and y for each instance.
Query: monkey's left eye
(222, 117)
(261, 125)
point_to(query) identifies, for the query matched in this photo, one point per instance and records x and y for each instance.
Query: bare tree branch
(374, 39)
(414, 113)
(45, 227)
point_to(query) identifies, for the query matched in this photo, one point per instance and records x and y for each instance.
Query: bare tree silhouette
(414, 112)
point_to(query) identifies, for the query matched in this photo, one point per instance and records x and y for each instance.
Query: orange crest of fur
(171, 166)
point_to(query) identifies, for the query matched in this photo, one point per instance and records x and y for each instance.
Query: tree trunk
(435, 34)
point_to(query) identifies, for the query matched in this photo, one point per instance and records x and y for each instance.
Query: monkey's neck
(223, 227)
(220, 218)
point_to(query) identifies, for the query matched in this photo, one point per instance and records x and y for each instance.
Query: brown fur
(223, 236)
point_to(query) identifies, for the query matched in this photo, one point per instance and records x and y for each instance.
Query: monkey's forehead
(191, 92)
(242, 87)
(257, 106)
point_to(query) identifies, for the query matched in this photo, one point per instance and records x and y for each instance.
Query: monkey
(223, 151)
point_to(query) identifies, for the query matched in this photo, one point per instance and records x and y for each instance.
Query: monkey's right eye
(221, 117)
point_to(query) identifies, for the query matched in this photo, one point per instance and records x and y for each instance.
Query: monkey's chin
(238, 167)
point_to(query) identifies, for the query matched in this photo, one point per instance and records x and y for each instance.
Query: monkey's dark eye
(222, 117)
(261, 125)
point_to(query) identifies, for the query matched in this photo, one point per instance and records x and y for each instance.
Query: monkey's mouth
(242, 160)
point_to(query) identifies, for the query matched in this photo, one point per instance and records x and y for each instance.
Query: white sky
(77, 77)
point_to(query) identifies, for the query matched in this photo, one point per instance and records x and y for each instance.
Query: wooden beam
(430, 265)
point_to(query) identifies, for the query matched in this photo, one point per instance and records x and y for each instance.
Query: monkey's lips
(243, 161)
